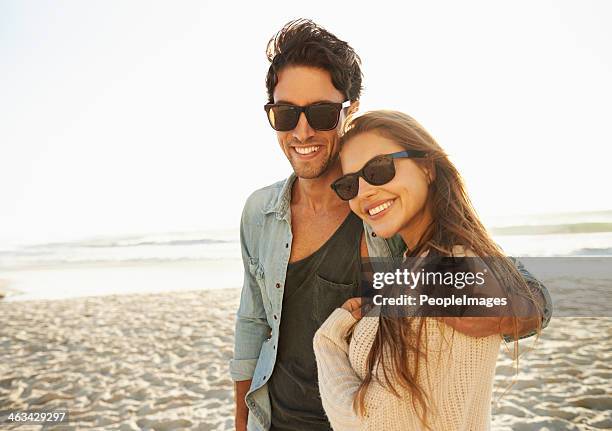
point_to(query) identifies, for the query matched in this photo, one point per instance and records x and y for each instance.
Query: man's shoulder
(263, 199)
(272, 189)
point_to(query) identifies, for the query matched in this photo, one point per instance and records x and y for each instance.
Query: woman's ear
(430, 171)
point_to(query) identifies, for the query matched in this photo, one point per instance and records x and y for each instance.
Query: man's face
(309, 151)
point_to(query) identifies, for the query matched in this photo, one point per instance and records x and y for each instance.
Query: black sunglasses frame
(306, 110)
(407, 154)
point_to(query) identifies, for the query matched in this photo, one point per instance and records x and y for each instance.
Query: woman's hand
(358, 307)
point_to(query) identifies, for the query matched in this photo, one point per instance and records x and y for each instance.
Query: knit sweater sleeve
(459, 388)
(338, 382)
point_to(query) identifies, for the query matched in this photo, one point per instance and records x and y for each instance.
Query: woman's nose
(366, 190)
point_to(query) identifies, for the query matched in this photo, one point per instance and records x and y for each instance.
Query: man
(301, 245)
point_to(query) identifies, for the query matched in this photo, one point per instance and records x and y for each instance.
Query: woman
(408, 373)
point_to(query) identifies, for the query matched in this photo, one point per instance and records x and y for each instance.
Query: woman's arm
(338, 382)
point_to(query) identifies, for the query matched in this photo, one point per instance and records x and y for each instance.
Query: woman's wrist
(338, 323)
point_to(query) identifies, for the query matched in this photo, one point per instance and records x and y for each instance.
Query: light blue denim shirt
(265, 236)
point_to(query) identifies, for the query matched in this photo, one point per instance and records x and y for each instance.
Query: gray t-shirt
(314, 287)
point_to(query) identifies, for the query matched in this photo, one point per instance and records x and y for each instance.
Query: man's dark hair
(303, 43)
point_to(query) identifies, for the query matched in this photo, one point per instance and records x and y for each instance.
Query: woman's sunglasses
(321, 116)
(377, 171)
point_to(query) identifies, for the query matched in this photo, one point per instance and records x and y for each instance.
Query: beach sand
(160, 362)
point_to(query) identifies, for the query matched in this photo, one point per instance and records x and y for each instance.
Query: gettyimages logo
(482, 287)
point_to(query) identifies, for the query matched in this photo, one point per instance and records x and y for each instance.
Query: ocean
(211, 259)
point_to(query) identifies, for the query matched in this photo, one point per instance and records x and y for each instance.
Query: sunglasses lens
(323, 116)
(283, 118)
(346, 187)
(379, 171)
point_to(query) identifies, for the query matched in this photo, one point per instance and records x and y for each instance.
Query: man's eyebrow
(286, 102)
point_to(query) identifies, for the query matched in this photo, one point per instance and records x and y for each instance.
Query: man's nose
(302, 130)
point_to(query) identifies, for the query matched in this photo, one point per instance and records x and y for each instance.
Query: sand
(160, 362)
(126, 362)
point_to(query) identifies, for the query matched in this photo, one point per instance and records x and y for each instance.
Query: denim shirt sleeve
(378, 247)
(396, 247)
(535, 286)
(251, 324)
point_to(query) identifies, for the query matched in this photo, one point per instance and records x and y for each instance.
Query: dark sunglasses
(320, 116)
(377, 171)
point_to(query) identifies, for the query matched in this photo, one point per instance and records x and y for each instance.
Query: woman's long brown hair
(400, 343)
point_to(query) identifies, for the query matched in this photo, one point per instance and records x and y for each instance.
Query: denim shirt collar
(281, 205)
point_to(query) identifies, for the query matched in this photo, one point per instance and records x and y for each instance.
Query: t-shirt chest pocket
(328, 296)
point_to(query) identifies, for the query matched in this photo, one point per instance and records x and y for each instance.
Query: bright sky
(123, 117)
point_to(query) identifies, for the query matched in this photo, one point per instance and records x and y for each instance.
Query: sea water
(212, 260)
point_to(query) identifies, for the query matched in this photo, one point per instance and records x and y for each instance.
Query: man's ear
(353, 108)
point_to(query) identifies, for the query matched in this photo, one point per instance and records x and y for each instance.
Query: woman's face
(396, 206)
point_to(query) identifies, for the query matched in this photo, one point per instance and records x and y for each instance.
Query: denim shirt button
(275, 317)
(374, 234)
(277, 285)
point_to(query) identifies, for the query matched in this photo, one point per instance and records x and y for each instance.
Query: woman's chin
(384, 231)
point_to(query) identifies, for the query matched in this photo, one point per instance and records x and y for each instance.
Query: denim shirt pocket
(328, 296)
(257, 270)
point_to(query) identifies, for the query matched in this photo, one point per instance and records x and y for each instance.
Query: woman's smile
(379, 209)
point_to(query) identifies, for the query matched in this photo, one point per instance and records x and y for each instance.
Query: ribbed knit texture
(457, 377)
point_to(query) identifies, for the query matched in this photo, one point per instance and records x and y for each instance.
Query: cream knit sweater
(457, 377)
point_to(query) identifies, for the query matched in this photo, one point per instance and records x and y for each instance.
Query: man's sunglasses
(320, 116)
(377, 171)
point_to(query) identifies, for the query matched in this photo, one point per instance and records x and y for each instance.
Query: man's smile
(306, 152)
